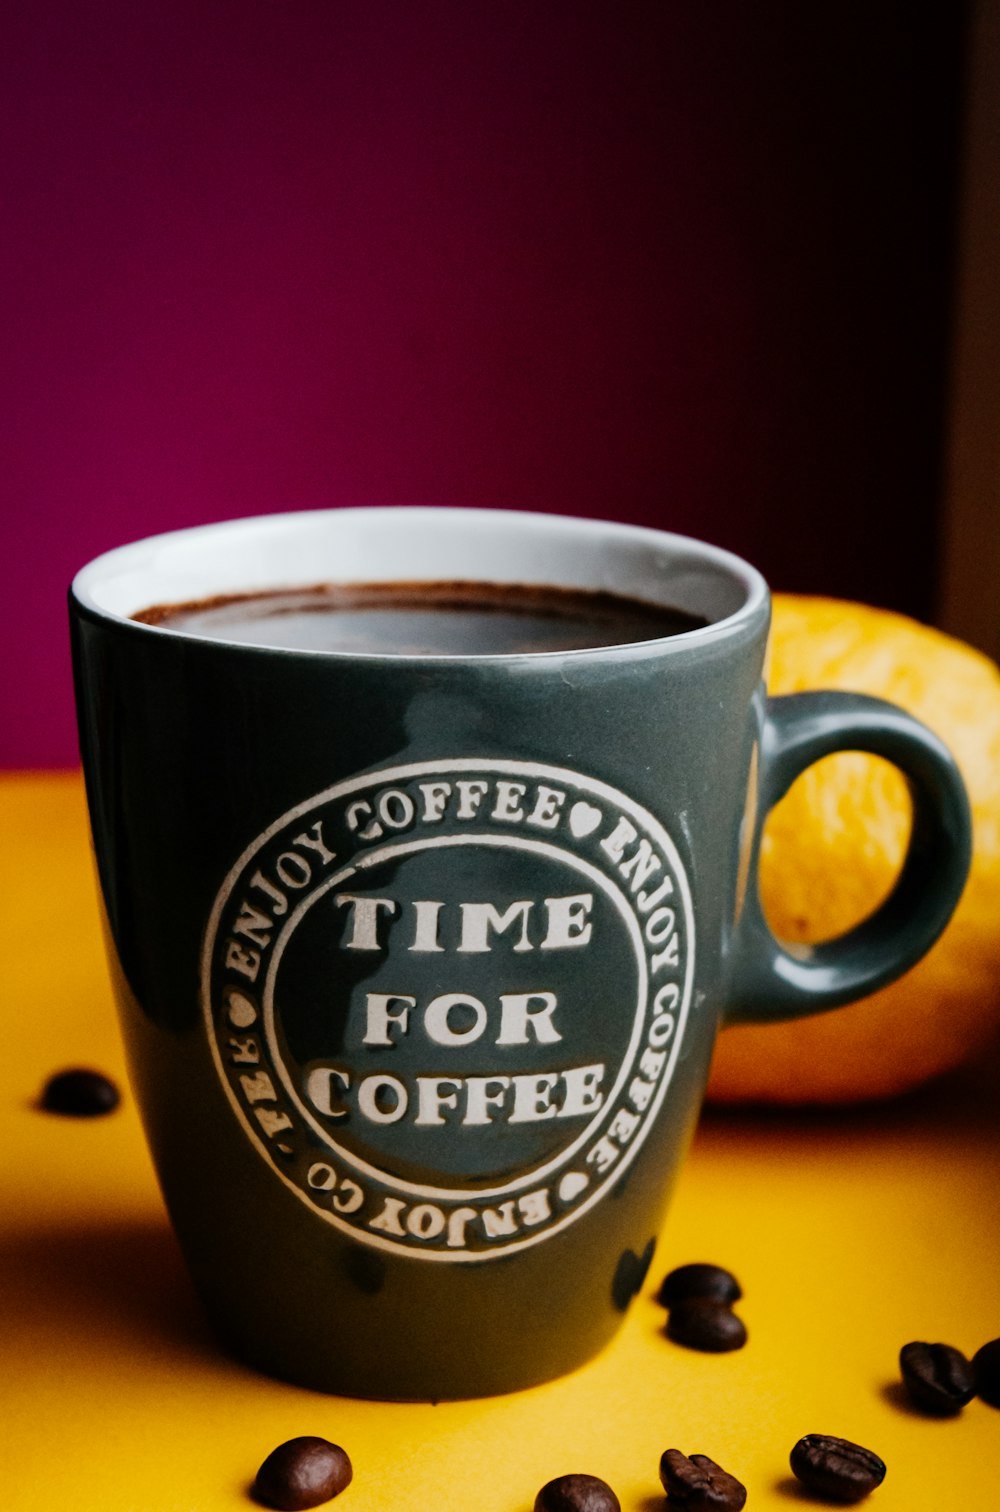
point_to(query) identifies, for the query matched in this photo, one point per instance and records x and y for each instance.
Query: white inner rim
(415, 544)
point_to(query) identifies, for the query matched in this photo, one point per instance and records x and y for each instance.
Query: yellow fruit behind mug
(833, 846)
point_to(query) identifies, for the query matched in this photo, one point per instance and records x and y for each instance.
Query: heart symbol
(572, 1184)
(242, 1012)
(584, 819)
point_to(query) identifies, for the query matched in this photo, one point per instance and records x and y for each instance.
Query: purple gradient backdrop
(621, 260)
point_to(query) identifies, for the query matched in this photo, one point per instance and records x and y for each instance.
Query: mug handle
(771, 979)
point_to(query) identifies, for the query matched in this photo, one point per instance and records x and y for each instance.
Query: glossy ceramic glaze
(420, 960)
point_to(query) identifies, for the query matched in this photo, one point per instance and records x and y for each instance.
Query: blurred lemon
(834, 845)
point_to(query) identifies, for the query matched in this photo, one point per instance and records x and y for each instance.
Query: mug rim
(128, 562)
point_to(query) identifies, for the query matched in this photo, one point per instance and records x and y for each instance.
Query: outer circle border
(402, 773)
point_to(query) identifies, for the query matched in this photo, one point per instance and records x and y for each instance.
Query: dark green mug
(420, 959)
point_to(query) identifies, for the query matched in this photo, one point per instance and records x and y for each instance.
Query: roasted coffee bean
(836, 1468)
(80, 1094)
(698, 1484)
(986, 1369)
(304, 1472)
(699, 1280)
(937, 1377)
(577, 1493)
(700, 1323)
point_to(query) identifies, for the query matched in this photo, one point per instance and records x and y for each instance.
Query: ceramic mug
(420, 959)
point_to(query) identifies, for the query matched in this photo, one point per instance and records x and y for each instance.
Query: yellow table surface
(852, 1233)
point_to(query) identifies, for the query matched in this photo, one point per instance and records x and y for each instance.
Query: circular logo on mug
(446, 999)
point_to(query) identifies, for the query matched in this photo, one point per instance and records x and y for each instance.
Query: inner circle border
(535, 1173)
(536, 770)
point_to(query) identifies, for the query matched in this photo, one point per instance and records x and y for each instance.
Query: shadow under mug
(420, 959)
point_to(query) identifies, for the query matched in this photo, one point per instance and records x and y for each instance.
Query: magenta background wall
(610, 259)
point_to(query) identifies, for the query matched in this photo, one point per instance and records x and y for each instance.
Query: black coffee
(425, 619)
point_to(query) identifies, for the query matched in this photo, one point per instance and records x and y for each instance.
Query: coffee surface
(425, 619)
